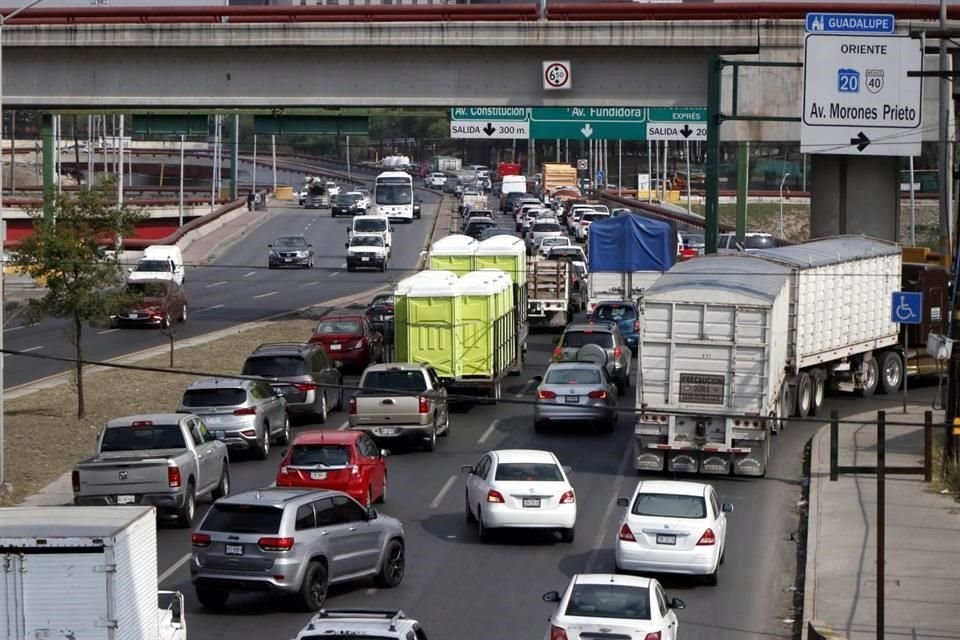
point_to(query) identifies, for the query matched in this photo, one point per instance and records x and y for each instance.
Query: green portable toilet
(400, 344)
(504, 312)
(430, 324)
(506, 253)
(453, 253)
(477, 298)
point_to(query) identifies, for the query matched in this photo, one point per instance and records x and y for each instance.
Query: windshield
(154, 265)
(366, 241)
(555, 242)
(290, 243)
(147, 289)
(274, 366)
(406, 381)
(614, 312)
(369, 225)
(567, 252)
(242, 518)
(759, 242)
(573, 376)
(139, 438)
(547, 227)
(214, 397)
(609, 601)
(394, 194)
(592, 217)
(347, 198)
(480, 224)
(529, 472)
(665, 505)
(328, 455)
(382, 299)
(692, 238)
(577, 339)
(338, 326)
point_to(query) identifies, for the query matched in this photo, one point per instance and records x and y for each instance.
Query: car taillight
(250, 433)
(200, 540)
(275, 544)
(354, 470)
(636, 326)
(358, 344)
(353, 406)
(424, 406)
(494, 496)
(546, 395)
(558, 352)
(617, 352)
(304, 386)
(246, 411)
(707, 539)
(557, 633)
(75, 480)
(173, 477)
(655, 635)
(598, 395)
(625, 533)
(568, 498)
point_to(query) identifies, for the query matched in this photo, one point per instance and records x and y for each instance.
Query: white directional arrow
(587, 130)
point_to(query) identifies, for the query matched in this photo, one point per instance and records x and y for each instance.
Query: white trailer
(614, 285)
(84, 573)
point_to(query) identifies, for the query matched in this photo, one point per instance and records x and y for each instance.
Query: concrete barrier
(817, 630)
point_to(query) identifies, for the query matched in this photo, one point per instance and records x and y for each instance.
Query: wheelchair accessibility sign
(907, 307)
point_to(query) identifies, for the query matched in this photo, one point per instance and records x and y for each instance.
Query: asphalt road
(460, 588)
(235, 288)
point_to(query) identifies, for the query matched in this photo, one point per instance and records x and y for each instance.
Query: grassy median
(44, 438)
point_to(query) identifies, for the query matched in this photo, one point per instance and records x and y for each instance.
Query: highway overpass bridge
(458, 55)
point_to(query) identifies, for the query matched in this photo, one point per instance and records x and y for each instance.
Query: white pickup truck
(367, 251)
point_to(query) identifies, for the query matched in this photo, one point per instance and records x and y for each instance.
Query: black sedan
(290, 251)
(348, 204)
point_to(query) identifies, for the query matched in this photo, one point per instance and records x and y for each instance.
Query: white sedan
(602, 605)
(673, 527)
(520, 488)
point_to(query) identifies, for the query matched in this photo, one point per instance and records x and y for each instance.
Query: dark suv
(600, 343)
(348, 204)
(303, 373)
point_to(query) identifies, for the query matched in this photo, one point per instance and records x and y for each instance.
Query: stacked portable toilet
(509, 254)
(485, 303)
(407, 315)
(453, 253)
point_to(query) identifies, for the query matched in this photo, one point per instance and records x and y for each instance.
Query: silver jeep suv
(382, 624)
(599, 342)
(294, 541)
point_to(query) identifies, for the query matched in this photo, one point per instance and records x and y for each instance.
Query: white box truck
(731, 345)
(84, 573)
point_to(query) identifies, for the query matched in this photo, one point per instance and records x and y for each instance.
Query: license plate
(572, 399)
(666, 539)
(364, 259)
(385, 431)
(132, 316)
(288, 259)
(318, 475)
(126, 499)
(531, 503)
(335, 347)
(212, 420)
(233, 549)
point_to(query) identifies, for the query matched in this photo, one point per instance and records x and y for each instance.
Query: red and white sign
(556, 75)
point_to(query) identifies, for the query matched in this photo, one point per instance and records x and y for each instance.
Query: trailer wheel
(819, 379)
(871, 378)
(804, 394)
(779, 422)
(891, 372)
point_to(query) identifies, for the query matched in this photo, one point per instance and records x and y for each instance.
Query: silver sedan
(578, 392)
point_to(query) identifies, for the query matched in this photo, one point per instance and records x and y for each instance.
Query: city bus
(393, 196)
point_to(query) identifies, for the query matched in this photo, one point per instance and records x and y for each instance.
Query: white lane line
(29, 349)
(173, 568)
(344, 426)
(489, 431)
(309, 284)
(608, 514)
(249, 273)
(343, 266)
(216, 284)
(22, 326)
(216, 306)
(371, 591)
(443, 491)
(266, 295)
(103, 333)
(333, 274)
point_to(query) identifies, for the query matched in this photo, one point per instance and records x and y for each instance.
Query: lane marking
(216, 306)
(216, 284)
(28, 350)
(22, 326)
(173, 568)
(443, 491)
(489, 431)
(371, 591)
(266, 295)
(343, 266)
(608, 514)
(344, 426)
(103, 333)
(333, 274)
(309, 284)
(250, 273)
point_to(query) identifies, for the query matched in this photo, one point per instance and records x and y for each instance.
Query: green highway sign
(183, 124)
(499, 114)
(310, 125)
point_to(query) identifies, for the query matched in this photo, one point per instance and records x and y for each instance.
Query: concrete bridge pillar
(854, 195)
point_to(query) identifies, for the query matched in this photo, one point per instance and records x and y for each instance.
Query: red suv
(349, 340)
(347, 461)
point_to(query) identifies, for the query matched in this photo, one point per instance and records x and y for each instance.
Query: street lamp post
(4, 485)
(785, 176)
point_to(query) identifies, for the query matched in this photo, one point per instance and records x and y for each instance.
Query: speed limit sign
(556, 75)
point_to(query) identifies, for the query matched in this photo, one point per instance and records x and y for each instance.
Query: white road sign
(857, 98)
(557, 75)
(677, 131)
(489, 129)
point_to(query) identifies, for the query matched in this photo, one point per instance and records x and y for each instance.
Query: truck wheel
(779, 423)
(804, 394)
(211, 598)
(891, 372)
(430, 443)
(394, 563)
(284, 437)
(263, 448)
(186, 513)
(819, 379)
(223, 487)
(322, 414)
(871, 378)
(313, 590)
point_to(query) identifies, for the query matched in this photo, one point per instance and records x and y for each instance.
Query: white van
(372, 224)
(159, 263)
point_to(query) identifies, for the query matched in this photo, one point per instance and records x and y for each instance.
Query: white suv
(436, 180)
(362, 623)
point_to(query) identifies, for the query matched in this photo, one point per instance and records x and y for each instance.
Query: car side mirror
(551, 596)
(129, 269)
(384, 453)
(269, 246)
(726, 507)
(283, 454)
(309, 246)
(371, 513)
(677, 603)
(556, 340)
(623, 502)
(537, 379)
(567, 469)
(466, 469)
(346, 245)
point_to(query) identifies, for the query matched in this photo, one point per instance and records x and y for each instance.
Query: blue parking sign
(907, 307)
(848, 81)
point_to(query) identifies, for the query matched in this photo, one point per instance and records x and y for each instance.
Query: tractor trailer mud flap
(746, 457)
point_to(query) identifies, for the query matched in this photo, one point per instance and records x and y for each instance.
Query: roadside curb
(813, 528)
(422, 260)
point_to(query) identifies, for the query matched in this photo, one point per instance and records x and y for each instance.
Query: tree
(83, 275)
